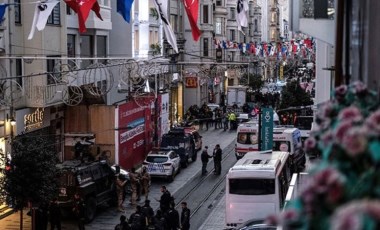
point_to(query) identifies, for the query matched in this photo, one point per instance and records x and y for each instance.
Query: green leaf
(374, 150)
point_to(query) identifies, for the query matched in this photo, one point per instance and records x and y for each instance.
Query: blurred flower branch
(343, 190)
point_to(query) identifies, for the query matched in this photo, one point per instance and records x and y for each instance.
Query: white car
(161, 163)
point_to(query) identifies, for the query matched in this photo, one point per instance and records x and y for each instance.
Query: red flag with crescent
(191, 7)
(82, 8)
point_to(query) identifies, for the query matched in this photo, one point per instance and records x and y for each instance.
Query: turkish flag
(191, 7)
(82, 8)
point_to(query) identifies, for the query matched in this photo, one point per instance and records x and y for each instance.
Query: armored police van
(182, 143)
(94, 181)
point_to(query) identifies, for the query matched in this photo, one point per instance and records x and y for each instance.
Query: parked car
(162, 163)
(94, 181)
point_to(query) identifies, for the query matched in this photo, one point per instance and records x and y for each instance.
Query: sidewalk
(108, 219)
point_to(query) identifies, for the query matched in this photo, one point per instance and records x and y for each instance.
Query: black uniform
(204, 158)
(185, 219)
(165, 200)
(217, 160)
(172, 218)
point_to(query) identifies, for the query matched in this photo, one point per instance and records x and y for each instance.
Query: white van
(256, 186)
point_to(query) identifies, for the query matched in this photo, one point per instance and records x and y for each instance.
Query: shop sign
(32, 119)
(191, 82)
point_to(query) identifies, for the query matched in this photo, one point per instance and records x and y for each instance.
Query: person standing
(172, 218)
(160, 221)
(55, 215)
(185, 216)
(123, 225)
(148, 213)
(204, 158)
(217, 154)
(120, 184)
(78, 210)
(145, 182)
(134, 178)
(165, 199)
(137, 220)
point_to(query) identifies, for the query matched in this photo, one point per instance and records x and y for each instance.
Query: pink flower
(327, 138)
(340, 92)
(342, 129)
(373, 123)
(351, 113)
(354, 141)
(350, 216)
(327, 110)
(310, 143)
(359, 87)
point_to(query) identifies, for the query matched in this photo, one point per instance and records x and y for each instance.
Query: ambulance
(285, 138)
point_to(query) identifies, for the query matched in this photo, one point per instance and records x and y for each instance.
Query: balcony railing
(318, 9)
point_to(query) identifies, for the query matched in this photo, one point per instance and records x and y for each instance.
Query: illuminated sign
(34, 120)
(191, 82)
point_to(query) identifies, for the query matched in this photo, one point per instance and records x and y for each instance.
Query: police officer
(204, 158)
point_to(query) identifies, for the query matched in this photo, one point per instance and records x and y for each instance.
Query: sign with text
(267, 129)
(191, 82)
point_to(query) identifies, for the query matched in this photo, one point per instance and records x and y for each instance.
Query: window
(101, 48)
(247, 138)
(281, 146)
(218, 26)
(71, 45)
(19, 71)
(232, 13)
(136, 41)
(71, 51)
(256, 26)
(232, 35)
(17, 7)
(174, 22)
(252, 186)
(86, 49)
(53, 77)
(68, 10)
(205, 13)
(219, 2)
(205, 47)
(55, 16)
(153, 36)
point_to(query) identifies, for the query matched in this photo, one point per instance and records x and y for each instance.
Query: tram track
(204, 184)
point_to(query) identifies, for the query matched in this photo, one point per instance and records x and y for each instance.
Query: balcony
(313, 17)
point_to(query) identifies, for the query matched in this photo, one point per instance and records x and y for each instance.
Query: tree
(33, 176)
(255, 82)
(293, 95)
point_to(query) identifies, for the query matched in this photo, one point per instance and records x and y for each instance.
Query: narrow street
(201, 193)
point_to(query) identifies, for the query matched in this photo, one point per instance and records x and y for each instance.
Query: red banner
(135, 132)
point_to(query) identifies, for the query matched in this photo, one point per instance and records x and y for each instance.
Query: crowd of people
(143, 217)
(51, 212)
(218, 118)
(165, 218)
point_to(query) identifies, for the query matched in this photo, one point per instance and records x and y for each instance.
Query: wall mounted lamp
(11, 120)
